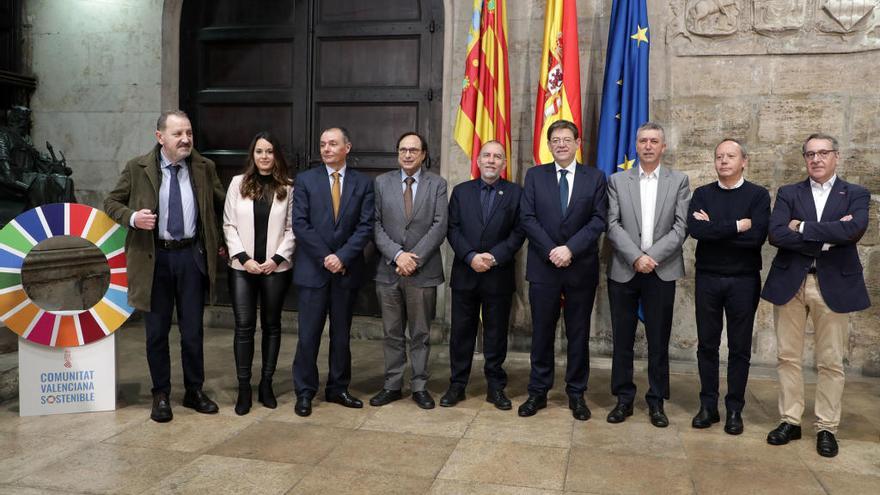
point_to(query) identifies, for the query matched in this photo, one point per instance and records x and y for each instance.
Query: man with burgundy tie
(171, 198)
(410, 226)
(332, 220)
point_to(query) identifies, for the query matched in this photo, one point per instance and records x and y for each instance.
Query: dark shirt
(720, 248)
(262, 207)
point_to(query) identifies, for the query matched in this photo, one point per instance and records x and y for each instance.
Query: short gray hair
(651, 126)
(163, 118)
(742, 147)
(824, 137)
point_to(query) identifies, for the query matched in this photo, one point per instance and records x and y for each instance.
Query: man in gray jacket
(411, 218)
(647, 221)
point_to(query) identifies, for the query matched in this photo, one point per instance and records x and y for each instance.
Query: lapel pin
(500, 193)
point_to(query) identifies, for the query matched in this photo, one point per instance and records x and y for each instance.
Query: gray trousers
(406, 306)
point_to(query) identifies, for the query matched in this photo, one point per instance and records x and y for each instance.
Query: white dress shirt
(648, 198)
(568, 177)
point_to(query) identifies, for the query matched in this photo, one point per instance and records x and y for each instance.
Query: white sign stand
(61, 380)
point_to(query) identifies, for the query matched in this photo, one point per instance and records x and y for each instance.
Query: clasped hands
(560, 256)
(482, 262)
(264, 268)
(407, 264)
(333, 264)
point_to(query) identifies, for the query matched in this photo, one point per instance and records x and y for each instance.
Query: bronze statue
(29, 178)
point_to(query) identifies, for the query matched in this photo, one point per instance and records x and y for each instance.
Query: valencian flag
(625, 90)
(484, 111)
(559, 88)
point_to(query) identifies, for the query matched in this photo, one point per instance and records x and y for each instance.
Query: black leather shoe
(658, 417)
(303, 406)
(826, 444)
(705, 418)
(452, 396)
(345, 399)
(161, 412)
(196, 399)
(245, 400)
(531, 405)
(266, 395)
(620, 412)
(733, 424)
(783, 434)
(500, 400)
(578, 407)
(385, 397)
(423, 399)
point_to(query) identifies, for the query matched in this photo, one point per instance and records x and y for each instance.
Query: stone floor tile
(757, 478)
(394, 453)
(405, 417)
(630, 438)
(741, 449)
(456, 487)
(227, 476)
(327, 481)
(21, 455)
(551, 427)
(855, 457)
(100, 425)
(24, 490)
(590, 471)
(283, 442)
(111, 469)
(189, 431)
(848, 483)
(507, 463)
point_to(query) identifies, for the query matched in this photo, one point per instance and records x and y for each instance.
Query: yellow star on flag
(627, 163)
(640, 35)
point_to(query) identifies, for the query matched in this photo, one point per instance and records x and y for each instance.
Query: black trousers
(247, 290)
(314, 306)
(657, 297)
(736, 297)
(177, 284)
(545, 301)
(466, 306)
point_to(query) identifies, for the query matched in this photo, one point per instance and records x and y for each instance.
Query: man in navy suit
(484, 234)
(563, 212)
(816, 225)
(332, 220)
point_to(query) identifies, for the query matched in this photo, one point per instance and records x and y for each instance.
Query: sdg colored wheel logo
(62, 328)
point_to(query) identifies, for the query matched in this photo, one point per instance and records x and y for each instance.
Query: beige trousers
(830, 348)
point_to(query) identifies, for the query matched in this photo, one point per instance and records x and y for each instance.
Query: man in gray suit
(411, 214)
(647, 219)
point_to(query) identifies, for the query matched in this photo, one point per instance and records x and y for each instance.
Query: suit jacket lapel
(422, 190)
(500, 198)
(635, 194)
(152, 171)
(347, 191)
(324, 193)
(579, 178)
(805, 196)
(663, 189)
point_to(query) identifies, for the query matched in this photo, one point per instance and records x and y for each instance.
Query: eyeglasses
(821, 154)
(558, 141)
(409, 151)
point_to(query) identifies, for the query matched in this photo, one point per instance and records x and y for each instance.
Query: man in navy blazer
(484, 234)
(816, 225)
(563, 212)
(332, 221)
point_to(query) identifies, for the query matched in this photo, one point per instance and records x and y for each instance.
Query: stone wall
(766, 71)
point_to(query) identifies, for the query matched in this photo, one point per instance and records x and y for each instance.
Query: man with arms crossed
(647, 221)
(816, 225)
(729, 219)
(484, 234)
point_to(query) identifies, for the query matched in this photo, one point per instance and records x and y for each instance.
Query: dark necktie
(487, 202)
(175, 206)
(408, 197)
(563, 190)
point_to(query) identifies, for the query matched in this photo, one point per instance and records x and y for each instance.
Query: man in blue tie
(171, 199)
(563, 210)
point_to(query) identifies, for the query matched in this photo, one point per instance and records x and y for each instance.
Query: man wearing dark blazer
(484, 234)
(332, 221)
(411, 218)
(647, 222)
(816, 224)
(563, 212)
(171, 200)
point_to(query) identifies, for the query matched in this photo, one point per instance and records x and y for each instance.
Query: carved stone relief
(755, 27)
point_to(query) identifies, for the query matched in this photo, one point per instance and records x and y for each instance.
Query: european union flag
(625, 90)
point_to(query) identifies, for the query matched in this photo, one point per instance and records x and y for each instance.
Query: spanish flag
(484, 111)
(559, 88)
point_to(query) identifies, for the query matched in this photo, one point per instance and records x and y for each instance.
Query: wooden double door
(296, 67)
